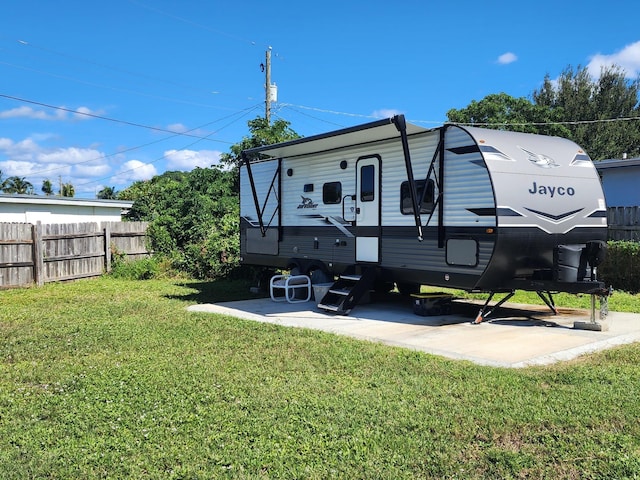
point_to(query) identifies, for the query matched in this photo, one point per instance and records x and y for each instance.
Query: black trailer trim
(599, 214)
(440, 200)
(552, 216)
(247, 162)
(401, 125)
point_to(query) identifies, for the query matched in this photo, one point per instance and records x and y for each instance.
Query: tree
(194, 215)
(601, 115)
(107, 193)
(17, 185)
(189, 215)
(47, 187)
(261, 133)
(591, 106)
(67, 190)
(501, 111)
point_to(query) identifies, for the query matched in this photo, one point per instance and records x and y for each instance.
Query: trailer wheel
(408, 288)
(318, 275)
(381, 287)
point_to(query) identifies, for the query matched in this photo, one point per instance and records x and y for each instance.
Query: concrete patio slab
(516, 335)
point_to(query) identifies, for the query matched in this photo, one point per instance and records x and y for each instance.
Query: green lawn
(115, 379)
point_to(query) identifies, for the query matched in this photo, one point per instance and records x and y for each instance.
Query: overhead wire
(109, 67)
(192, 23)
(115, 89)
(241, 114)
(102, 117)
(165, 156)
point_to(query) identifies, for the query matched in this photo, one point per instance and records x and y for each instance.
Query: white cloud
(81, 113)
(134, 170)
(189, 159)
(27, 158)
(177, 127)
(28, 112)
(84, 113)
(24, 150)
(385, 113)
(92, 170)
(507, 58)
(628, 59)
(71, 155)
(16, 168)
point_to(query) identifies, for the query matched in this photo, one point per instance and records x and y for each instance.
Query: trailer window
(367, 183)
(332, 192)
(424, 198)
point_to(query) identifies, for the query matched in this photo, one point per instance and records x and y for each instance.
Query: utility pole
(267, 88)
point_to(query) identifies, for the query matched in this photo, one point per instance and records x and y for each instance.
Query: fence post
(107, 246)
(38, 259)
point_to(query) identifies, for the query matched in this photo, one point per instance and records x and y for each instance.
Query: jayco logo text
(551, 190)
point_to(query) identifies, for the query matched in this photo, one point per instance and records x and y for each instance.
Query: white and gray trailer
(461, 207)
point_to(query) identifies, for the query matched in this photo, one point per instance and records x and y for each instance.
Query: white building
(50, 209)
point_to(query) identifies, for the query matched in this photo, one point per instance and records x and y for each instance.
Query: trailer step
(344, 291)
(348, 289)
(353, 278)
(333, 308)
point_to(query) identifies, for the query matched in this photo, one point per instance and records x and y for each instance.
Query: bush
(142, 269)
(621, 269)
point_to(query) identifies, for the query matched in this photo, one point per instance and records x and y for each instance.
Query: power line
(101, 117)
(115, 89)
(166, 156)
(138, 147)
(103, 65)
(542, 124)
(195, 24)
(487, 124)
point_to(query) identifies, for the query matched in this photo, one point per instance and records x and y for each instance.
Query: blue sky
(107, 93)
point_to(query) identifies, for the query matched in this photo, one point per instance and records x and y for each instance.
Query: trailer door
(368, 209)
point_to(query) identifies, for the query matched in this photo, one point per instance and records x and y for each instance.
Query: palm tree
(47, 187)
(17, 185)
(107, 193)
(67, 190)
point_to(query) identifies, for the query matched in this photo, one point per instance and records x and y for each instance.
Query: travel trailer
(390, 202)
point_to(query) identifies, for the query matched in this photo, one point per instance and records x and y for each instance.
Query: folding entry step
(348, 290)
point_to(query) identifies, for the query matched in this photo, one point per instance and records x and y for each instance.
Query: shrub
(142, 269)
(621, 269)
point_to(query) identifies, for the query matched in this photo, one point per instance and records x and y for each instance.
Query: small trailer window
(425, 199)
(367, 183)
(332, 192)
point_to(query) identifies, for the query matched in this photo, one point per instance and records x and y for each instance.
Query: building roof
(616, 163)
(70, 201)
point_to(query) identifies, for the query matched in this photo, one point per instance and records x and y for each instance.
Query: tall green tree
(504, 112)
(260, 133)
(602, 114)
(47, 187)
(18, 185)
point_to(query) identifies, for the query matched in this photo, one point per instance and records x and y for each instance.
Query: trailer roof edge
(364, 133)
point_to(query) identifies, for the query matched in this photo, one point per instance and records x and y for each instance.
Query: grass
(113, 378)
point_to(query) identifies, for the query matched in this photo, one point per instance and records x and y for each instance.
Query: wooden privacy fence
(624, 223)
(56, 252)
